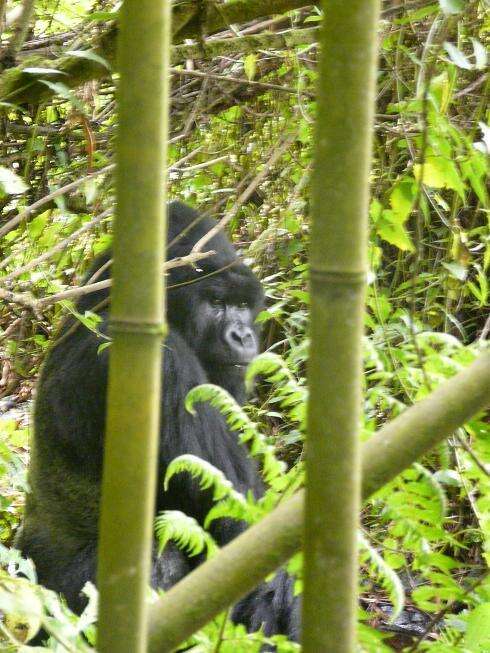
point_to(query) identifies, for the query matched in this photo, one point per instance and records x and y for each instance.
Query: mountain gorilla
(212, 336)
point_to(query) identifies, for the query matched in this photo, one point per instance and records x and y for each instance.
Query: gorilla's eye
(218, 302)
(243, 305)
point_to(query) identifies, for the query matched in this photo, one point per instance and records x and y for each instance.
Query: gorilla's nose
(242, 342)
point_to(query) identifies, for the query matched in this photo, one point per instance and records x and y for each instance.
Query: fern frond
(229, 508)
(207, 474)
(175, 526)
(290, 394)
(436, 487)
(386, 575)
(238, 420)
(269, 365)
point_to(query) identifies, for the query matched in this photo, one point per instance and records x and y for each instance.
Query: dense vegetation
(243, 106)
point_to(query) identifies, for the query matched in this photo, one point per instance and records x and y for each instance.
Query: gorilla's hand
(272, 606)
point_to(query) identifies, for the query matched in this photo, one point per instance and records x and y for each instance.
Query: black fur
(211, 336)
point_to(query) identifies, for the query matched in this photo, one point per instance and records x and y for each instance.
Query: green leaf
(292, 224)
(476, 175)
(440, 92)
(63, 91)
(11, 183)
(91, 56)
(439, 172)
(391, 229)
(232, 114)
(456, 270)
(417, 14)
(37, 225)
(402, 198)
(103, 16)
(477, 638)
(250, 65)
(43, 71)
(451, 6)
(375, 210)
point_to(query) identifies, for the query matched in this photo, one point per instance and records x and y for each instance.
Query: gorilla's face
(219, 317)
(225, 322)
(230, 337)
(216, 314)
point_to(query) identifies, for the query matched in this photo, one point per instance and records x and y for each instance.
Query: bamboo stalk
(337, 279)
(137, 313)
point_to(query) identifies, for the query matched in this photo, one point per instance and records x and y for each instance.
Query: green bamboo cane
(337, 279)
(137, 310)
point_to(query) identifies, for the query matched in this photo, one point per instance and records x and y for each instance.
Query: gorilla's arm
(204, 434)
(207, 436)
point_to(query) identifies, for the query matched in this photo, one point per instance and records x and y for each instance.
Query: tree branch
(20, 88)
(19, 33)
(188, 16)
(29, 210)
(265, 41)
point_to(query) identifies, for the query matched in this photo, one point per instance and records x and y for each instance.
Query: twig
(11, 224)
(58, 247)
(471, 87)
(485, 330)
(481, 466)
(27, 300)
(29, 210)
(204, 164)
(74, 293)
(11, 329)
(23, 299)
(276, 155)
(236, 80)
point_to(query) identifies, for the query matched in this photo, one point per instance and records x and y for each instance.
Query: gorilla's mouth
(224, 365)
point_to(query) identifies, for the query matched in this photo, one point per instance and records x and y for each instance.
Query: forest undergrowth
(242, 126)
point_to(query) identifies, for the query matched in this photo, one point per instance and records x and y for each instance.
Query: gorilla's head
(213, 306)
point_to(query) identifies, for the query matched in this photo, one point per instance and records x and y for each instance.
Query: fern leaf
(175, 526)
(207, 474)
(238, 420)
(388, 577)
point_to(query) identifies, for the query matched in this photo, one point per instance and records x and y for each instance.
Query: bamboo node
(354, 278)
(156, 328)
